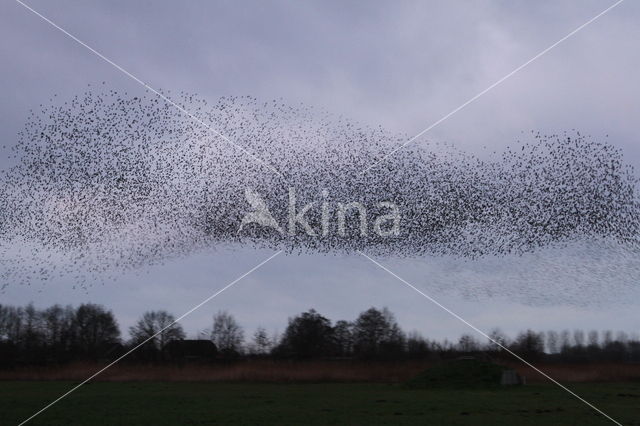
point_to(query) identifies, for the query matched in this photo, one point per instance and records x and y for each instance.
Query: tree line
(60, 334)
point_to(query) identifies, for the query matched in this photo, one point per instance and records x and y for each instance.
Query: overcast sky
(402, 65)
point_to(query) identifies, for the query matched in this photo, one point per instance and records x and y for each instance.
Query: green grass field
(182, 403)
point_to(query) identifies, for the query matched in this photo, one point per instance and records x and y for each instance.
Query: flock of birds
(106, 182)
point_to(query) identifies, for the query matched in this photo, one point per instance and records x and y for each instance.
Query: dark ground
(193, 403)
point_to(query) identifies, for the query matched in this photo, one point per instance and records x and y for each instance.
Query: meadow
(207, 403)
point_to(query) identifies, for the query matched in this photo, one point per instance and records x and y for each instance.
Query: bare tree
(4, 321)
(58, 326)
(261, 344)
(31, 327)
(343, 335)
(226, 333)
(529, 342)
(156, 322)
(11, 323)
(468, 343)
(307, 335)
(565, 340)
(622, 337)
(498, 336)
(376, 333)
(553, 342)
(417, 346)
(593, 339)
(94, 328)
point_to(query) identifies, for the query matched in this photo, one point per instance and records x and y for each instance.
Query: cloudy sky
(402, 65)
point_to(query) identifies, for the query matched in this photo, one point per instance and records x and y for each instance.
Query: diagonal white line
(482, 333)
(146, 86)
(493, 85)
(150, 338)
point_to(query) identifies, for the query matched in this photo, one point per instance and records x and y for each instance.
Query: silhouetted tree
(468, 343)
(417, 346)
(94, 329)
(58, 325)
(633, 348)
(11, 324)
(159, 327)
(261, 344)
(565, 340)
(32, 336)
(31, 329)
(5, 315)
(227, 334)
(307, 335)
(377, 334)
(614, 351)
(343, 337)
(500, 338)
(593, 339)
(553, 342)
(622, 337)
(529, 344)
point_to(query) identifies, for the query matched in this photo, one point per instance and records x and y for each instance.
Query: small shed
(510, 377)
